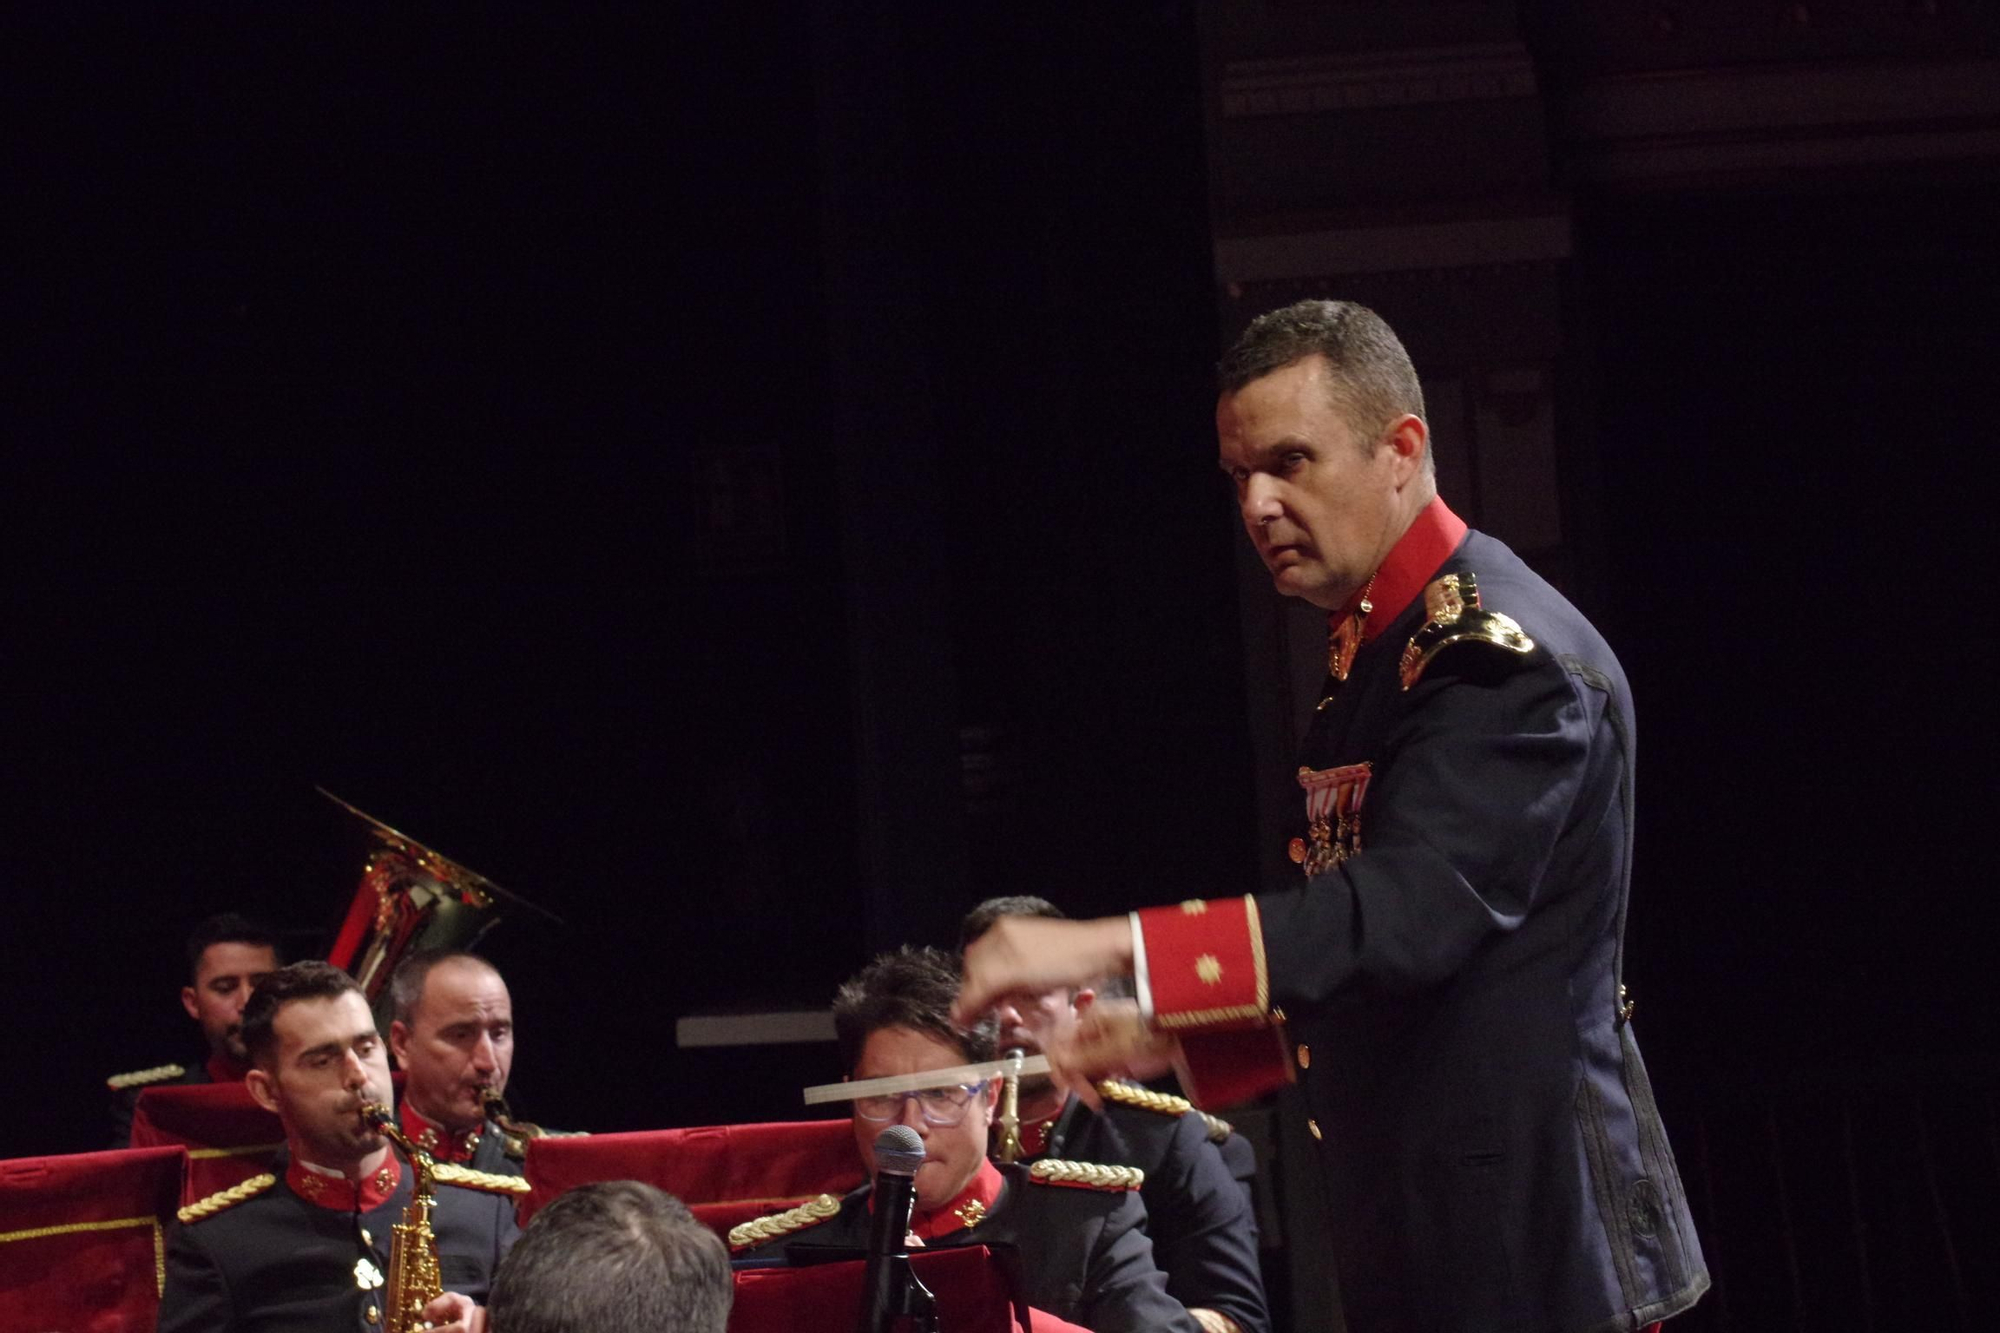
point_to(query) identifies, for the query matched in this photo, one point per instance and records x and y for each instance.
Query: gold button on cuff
(1313, 1126)
(372, 1315)
(1305, 1054)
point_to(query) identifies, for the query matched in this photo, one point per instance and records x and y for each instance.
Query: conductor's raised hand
(1027, 956)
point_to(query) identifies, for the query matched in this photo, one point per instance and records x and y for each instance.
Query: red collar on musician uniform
(222, 1069)
(966, 1209)
(439, 1142)
(1411, 563)
(1035, 1133)
(341, 1194)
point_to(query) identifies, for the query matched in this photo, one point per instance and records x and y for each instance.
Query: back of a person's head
(617, 1255)
(981, 918)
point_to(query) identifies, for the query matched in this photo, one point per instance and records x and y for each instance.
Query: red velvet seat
(972, 1295)
(82, 1238)
(727, 1173)
(228, 1137)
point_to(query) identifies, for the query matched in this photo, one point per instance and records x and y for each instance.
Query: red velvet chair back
(972, 1293)
(83, 1238)
(228, 1137)
(732, 1172)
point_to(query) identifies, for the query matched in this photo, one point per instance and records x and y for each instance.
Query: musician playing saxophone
(453, 1037)
(307, 1246)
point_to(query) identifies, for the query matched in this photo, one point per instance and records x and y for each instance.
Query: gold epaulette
(808, 1214)
(1130, 1094)
(139, 1078)
(450, 1173)
(223, 1200)
(1086, 1175)
(1452, 614)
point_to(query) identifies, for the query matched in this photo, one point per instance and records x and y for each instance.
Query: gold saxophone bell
(415, 1279)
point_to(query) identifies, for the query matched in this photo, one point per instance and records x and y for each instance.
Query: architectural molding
(1459, 243)
(1304, 85)
(1764, 119)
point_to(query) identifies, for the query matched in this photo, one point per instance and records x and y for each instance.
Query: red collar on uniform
(222, 1069)
(966, 1209)
(1035, 1133)
(341, 1194)
(1411, 563)
(439, 1142)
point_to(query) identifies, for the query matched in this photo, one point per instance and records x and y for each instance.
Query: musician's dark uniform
(1084, 1253)
(278, 1262)
(1451, 964)
(1197, 1213)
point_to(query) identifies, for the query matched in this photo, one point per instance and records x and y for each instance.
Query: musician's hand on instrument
(1109, 1040)
(455, 1313)
(1026, 956)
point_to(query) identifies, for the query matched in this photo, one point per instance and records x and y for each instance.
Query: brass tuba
(414, 1278)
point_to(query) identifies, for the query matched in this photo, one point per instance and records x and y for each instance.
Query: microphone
(892, 1298)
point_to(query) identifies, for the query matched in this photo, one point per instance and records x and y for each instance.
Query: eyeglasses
(941, 1108)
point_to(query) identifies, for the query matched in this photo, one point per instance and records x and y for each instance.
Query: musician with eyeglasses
(1199, 1211)
(1079, 1228)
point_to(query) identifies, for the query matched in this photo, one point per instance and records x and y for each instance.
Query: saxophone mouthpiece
(375, 1115)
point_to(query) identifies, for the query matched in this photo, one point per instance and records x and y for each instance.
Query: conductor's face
(1321, 503)
(329, 1059)
(952, 1152)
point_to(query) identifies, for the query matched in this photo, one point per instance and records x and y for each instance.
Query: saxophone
(514, 1133)
(414, 1279)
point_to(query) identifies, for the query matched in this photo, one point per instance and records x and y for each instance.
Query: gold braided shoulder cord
(809, 1213)
(228, 1198)
(449, 1173)
(139, 1078)
(1146, 1099)
(1090, 1175)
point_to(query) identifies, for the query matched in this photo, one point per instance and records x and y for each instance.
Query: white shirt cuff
(1142, 985)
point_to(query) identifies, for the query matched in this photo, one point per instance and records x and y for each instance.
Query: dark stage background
(744, 480)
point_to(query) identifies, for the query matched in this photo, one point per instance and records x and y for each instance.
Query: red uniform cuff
(1205, 964)
(1219, 1069)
